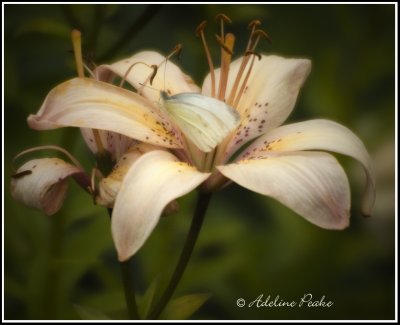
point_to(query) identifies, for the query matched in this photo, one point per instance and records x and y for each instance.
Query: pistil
(77, 45)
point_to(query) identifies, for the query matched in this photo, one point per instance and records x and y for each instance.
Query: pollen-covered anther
(200, 28)
(223, 18)
(254, 24)
(177, 50)
(261, 33)
(154, 73)
(128, 71)
(88, 59)
(258, 55)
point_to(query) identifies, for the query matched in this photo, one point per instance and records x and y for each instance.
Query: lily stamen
(253, 24)
(259, 33)
(151, 77)
(226, 58)
(255, 36)
(223, 19)
(246, 78)
(176, 51)
(200, 33)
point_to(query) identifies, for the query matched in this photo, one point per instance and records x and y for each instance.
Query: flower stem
(129, 284)
(129, 288)
(197, 221)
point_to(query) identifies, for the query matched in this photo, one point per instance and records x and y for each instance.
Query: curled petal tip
(42, 183)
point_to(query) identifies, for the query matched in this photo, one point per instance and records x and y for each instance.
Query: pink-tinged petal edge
(313, 184)
(153, 181)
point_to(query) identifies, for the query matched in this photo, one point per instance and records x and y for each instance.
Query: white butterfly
(205, 121)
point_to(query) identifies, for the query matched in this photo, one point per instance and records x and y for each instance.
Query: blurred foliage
(65, 267)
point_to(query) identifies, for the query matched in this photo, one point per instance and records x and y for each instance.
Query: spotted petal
(42, 183)
(269, 96)
(153, 181)
(319, 135)
(116, 144)
(313, 184)
(137, 71)
(88, 103)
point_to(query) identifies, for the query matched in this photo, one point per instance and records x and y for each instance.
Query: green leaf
(185, 306)
(86, 241)
(148, 297)
(108, 302)
(86, 313)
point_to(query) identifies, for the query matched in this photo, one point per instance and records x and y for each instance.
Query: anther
(154, 73)
(260, 32)
(151, 78)
(88, 58)
(254, 23)
(201, 27)
(224, 18)
(258, 55)
(177, 50)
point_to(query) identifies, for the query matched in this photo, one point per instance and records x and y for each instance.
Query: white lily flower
(280, 163)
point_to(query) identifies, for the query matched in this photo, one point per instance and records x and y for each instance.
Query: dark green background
(250, 245)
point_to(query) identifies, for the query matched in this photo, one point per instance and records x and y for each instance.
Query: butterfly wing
(205, 121)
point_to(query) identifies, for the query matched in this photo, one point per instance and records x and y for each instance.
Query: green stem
(53, 276)
(129, 288)
(129, 284)
(197, 221)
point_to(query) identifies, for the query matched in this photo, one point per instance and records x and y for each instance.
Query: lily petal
(269, 96)
(319, 135)
(42, 183)
(110, 185)
(87, 103)
(313, 184)
(116, 144)
(153, 181)
(169, 77)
